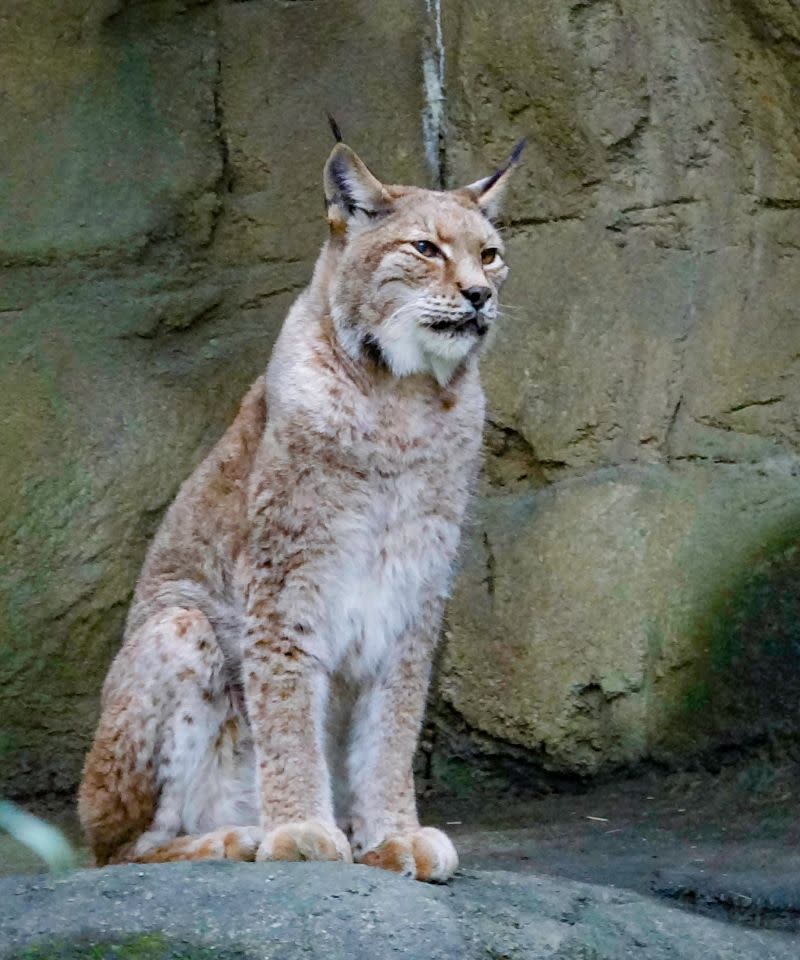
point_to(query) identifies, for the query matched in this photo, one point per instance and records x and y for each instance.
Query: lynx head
(418, 271)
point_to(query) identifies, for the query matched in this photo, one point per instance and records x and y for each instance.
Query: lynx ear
(350, 189)
(488, 192)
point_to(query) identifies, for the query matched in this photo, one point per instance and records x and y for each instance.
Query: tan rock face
(631, 589)
(629, 580)
(160, 207)
(635, 612)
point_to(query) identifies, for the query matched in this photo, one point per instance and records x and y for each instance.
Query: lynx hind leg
(163, 706)
(226, 843)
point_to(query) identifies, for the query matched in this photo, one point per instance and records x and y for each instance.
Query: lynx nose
(477, 296)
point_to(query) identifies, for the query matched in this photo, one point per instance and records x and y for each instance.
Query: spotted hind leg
(226, 843)
(165, 712)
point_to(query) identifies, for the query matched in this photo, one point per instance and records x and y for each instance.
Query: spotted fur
(269, 691)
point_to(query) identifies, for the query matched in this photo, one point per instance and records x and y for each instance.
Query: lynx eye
(489, 255)
(426, 248)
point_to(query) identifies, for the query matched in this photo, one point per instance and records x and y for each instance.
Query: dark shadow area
(726, 845)
(741, 689)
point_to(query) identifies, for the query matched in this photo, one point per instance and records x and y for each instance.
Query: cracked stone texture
(630, 588)
(250, 911)
(630, 580)
(160, 207)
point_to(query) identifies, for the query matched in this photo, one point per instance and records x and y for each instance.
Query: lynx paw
(306, 840)
(426, 854)
(240, 843)
(225, 843)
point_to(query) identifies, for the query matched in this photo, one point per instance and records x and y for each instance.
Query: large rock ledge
(286, 911)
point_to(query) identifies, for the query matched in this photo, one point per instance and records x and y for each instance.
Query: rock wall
(632, 588)
(631, 583)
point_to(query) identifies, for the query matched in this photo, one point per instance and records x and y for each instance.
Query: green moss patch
(148, 946)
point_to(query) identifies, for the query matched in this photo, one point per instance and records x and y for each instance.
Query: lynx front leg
(385, 827)
(286, 691)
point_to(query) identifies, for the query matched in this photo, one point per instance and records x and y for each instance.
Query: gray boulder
(327, 911)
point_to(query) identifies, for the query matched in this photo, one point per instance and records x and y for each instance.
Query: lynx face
(420, 270)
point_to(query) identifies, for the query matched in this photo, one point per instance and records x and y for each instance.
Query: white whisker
(412, 304)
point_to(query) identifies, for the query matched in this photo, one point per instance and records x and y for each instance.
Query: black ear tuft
(335, 129)
(488, 192)
(512, 161)
(516, 153)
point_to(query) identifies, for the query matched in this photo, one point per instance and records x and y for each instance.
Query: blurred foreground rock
(283, 911)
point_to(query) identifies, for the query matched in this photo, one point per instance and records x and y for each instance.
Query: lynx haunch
(268, 695)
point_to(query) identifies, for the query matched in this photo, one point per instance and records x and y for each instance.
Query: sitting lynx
(268, 695)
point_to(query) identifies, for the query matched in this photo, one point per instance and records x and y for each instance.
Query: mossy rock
(148, 946)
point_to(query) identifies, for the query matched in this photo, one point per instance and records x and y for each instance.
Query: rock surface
(630, 589)
(631, 578)
(160, 207)
(329, 911)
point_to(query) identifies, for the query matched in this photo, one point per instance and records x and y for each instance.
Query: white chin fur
(443, 370)
(409, 348)
(445, 352)
(423, 351)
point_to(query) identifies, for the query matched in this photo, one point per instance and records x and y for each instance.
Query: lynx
(267, 698)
